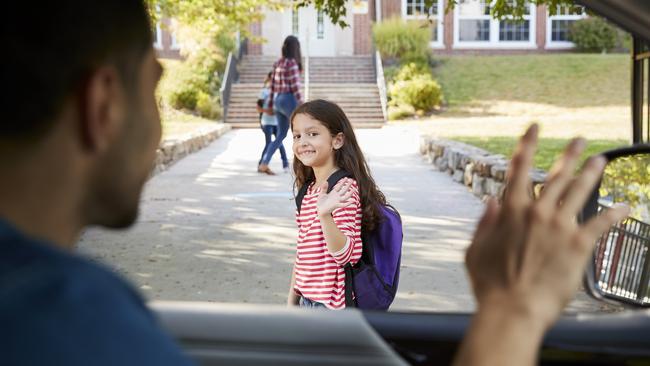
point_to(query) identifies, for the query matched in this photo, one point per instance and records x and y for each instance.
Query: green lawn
(547, 151)
(562, 80)
(175, 122)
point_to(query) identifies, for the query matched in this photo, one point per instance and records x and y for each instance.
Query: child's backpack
(374, 278)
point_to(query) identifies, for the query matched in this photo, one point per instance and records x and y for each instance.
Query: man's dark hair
(50, 47)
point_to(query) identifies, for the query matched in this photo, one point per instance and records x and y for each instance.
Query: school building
(467, 28)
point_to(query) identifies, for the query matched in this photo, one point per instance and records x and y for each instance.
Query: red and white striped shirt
(320, 274)
(286, 79)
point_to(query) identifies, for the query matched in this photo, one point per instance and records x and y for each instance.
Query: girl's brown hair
(349, 157)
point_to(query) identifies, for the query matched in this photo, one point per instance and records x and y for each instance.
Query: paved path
(212, 229)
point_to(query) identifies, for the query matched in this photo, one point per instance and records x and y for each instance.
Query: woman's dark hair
(291, 49)
(349, 157)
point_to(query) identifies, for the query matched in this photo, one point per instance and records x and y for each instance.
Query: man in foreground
(77, 142)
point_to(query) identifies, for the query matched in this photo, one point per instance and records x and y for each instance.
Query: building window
(558, 25)
(175, 45)
(473, 21)
(514, 31)
(295, 26)
(474, 27)
(416, 10)
(320, 25)
(158, 37)
(474, 30)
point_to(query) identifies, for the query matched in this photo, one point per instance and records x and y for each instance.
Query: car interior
(244, 334)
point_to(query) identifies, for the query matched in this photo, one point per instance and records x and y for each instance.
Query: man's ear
(102, 109)
(339, 141)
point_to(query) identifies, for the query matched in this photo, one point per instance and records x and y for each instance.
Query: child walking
(329, 224)
(269, 124)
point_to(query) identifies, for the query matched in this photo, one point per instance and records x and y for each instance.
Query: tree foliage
(241, 12)
(627, 180)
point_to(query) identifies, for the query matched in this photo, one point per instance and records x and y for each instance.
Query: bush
(422, 93)
(411, 71)
(400, 112)
(403, 41)
(593, 35)
(206, 106)
(194, 83)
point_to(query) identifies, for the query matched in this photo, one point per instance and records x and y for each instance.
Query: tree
(500, 9)
(627, 180)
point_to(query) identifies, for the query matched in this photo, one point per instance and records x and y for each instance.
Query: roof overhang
(631, 15)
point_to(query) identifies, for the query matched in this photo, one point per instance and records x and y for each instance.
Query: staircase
(348, 81)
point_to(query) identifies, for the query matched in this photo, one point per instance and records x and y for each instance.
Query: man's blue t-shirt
(57, 308)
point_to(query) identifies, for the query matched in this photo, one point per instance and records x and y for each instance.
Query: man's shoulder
(57, 307)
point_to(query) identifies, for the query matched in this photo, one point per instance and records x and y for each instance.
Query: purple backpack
(374, 278)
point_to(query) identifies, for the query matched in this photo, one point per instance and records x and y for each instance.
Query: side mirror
(620, 268)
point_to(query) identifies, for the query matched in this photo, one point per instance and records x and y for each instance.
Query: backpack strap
(331, 182)
(349, 286)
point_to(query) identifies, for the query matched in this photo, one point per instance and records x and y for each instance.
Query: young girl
(269, 124)
(329, 233)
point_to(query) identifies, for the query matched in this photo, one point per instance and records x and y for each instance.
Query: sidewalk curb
(172, 150)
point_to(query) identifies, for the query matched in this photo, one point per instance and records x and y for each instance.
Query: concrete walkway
(212, 229)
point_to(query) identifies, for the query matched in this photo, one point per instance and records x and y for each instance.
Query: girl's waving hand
(339, 197)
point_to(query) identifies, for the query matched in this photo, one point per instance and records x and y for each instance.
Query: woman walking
(285, 95)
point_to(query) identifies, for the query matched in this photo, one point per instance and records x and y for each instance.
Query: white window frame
(158, 38)
(494, 41)
(175, 46)
(550, 44)
(440, 18)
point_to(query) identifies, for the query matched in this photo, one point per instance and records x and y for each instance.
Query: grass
(176, 123)
(561, 80)
(491, 100)
(548, 148)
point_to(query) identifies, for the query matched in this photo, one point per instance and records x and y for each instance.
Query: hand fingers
(577, 193)
(521, 162)
(561, 174)
(346, 197)
(488, 219)
(598, 225)
(343, 186)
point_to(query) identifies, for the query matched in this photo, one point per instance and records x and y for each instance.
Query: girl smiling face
(313, 144)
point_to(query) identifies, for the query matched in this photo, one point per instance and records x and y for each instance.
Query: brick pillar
(362, 34)
(541, 27)
(390, 9)
(256, 30)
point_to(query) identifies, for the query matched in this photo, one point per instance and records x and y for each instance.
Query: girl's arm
(340, 243)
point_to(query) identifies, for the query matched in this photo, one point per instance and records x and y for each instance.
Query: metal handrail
(381, 84)
(230, 77)
(306, 48)
(307, 78)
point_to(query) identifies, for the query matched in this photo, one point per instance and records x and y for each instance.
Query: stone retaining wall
(482, 172)
(172, 150)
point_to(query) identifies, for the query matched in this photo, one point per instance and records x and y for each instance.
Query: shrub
(401, 40)
(400, 112)
(593, 34)
(206, 106)
(194, 83)
(422, 93)
(411, 71)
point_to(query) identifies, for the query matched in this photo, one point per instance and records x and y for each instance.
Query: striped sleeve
(293, 78)
(348, 221)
